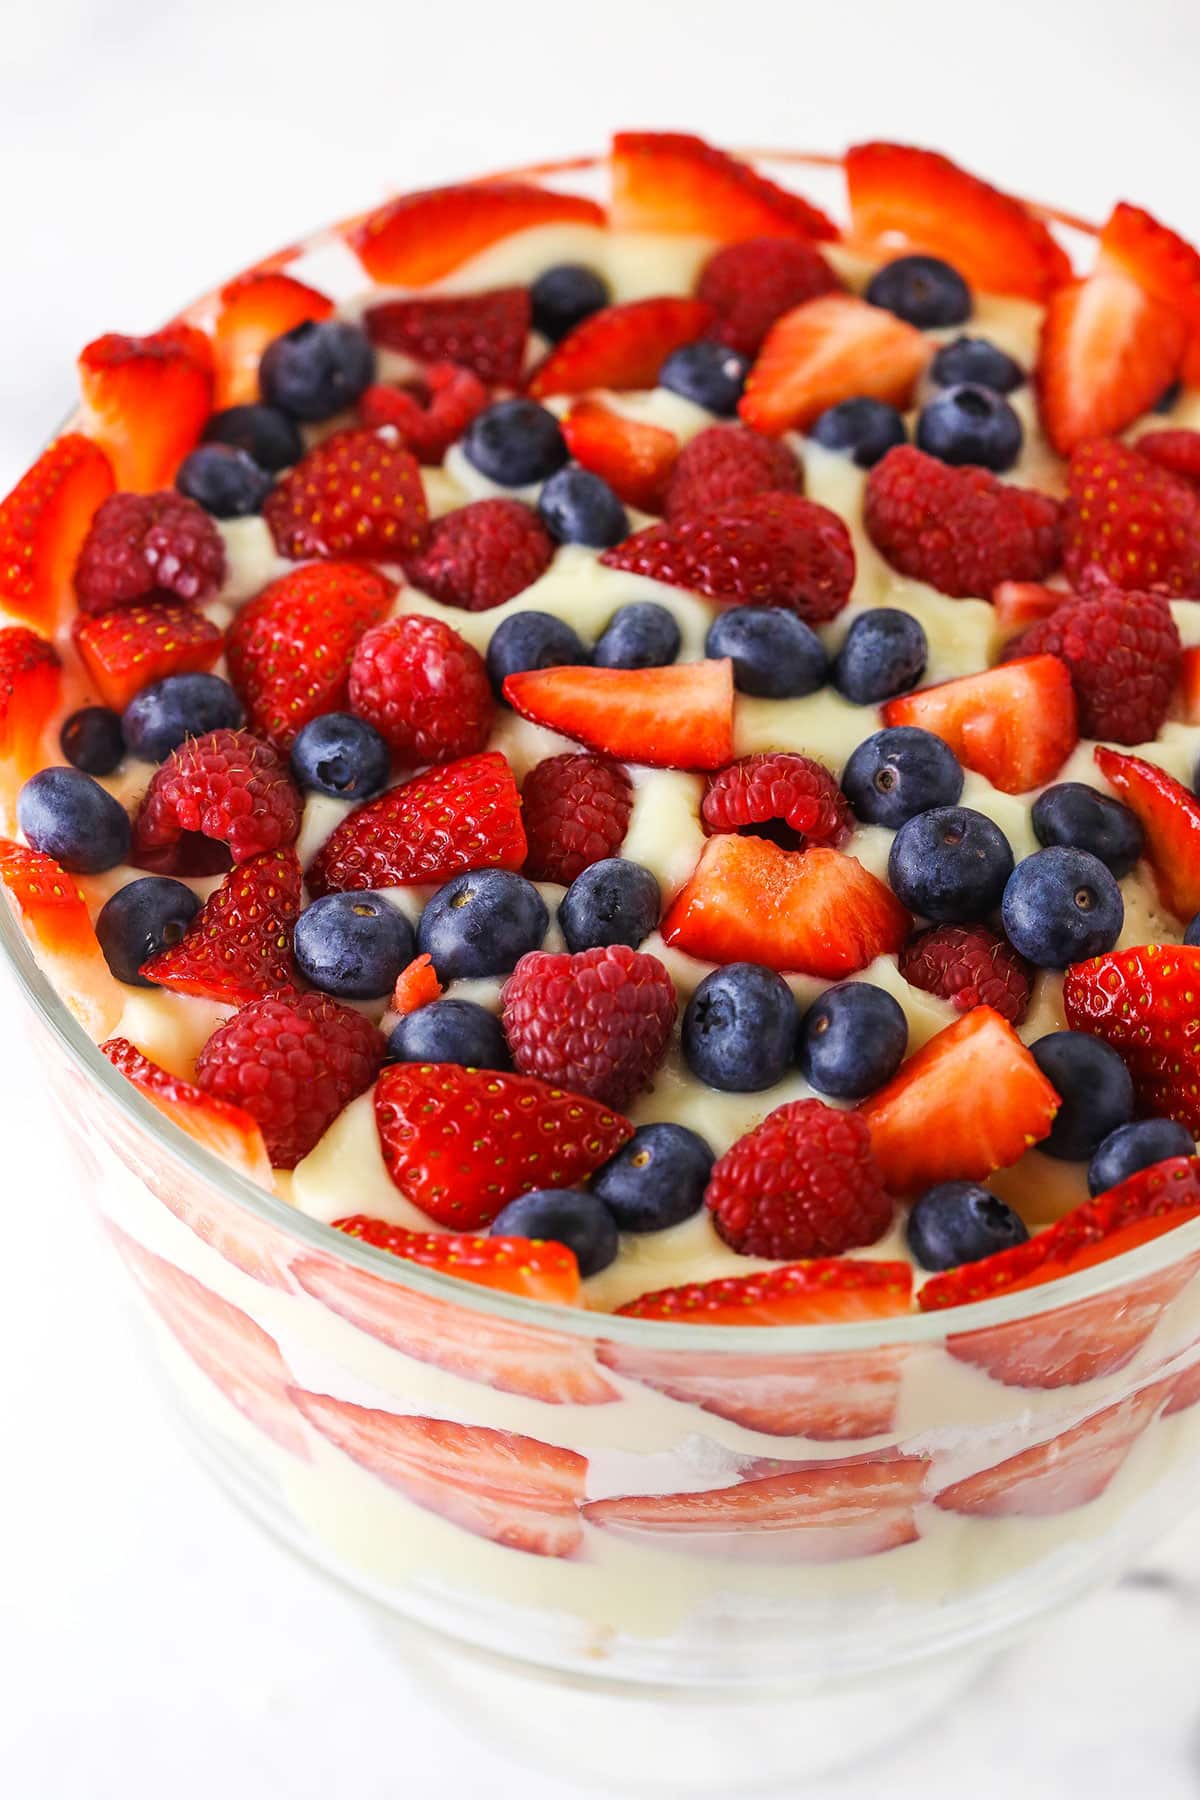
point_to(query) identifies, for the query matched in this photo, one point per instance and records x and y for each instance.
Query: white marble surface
(151, 1641)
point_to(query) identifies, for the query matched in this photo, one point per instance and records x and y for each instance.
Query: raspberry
(959, 529)
(423, 688)
(430, 414)
(576, 810)
(728, 463)
(226, 785)
(481, 555)
(358, 493)
(1176, 451)
(969, 966)
(779, 795)
(803, 1183)
(749, 285)
(1124, 654)
(292, 1061)
(1129, 524)
(143, 546)
(597, 1022)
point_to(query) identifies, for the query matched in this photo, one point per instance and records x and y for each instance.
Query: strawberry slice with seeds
(416, 985)
(43, 523)
(634, 458)
(1129, 524)
(239, 945)
(225, 1129)
(1016, 725)
(356, 493)
(1107, 352)
(510, 1265)
(55, 918)
(255, 309)
(485, 333)
(833, 348)
(417, 238)
(620, 346)
(1170, 818)
(672, 181)
(1162, 263)
(125, 651)
(30, 678)
(1143, 1002)
(679, 717)
(145, 401)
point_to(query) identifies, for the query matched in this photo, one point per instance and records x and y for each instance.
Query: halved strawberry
(621, 346)
(827, 1291)
(919, 200)
(512, 1265)
(125, 651)
(813, 912)
(634, 458)
(830, 349)
(1170, 818)
(51, 906)
(239, 945)
(43, 522)
(1143, 1002)
(255, 309)
(417, 238)
(416, 985)
(972, 1100)
(1189, 685)
(1069, 1470)
(679, 717)
(30, 678)
(1020, 603)
(1016, 724)
(671, 181)
(1107, 352)
(485, 333)
(1162, 263)
(226, 1130)
(145, 401)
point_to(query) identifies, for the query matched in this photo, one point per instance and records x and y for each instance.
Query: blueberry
(531, 640)
(774, 654)
(564, 1216)
(642, 635)
(482, 923)
(352, 945)
(971, 424)
(884, 654)
(341, 755)
(1169, 398)
(564, 296)
(739, 1029)
(922, 289)
(263, 432)
(977, 361)
(896, 774)
(711, 374)
(157, 720)
(852, 1040)
(66, 814)
(1094, 1086)
(657, 1179)
(1137, 1146)
(515, 442)
(613, 901)
(950, 865)
(864, 430)
(577, 507)
(1191, 936)
(1060, 907)
(140, 920)
(92, 740)
(224, 481)
(1081, 818)
(317, 369)
(958, 1222)
(453, 1031)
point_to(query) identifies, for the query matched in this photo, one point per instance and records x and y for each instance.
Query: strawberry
(995, 242)
(727, 464)
(417, 238)
(814, 913)
(30, 678)
(802, 1183)
(1176, 451)
(751, 284)
(484, 333)
(972, 1100)
(598, 1022)
(1143, 1002)
(1021, 603)
(1162, 263)
(145, 401)
(1068, 1470)
(416, 985)
(634, 458)
(1016, 724)
(1129, 524)
(227, 1130)
(356, 493)
(125, 651)
(678, 717)
(829, 1292)
(671, 181)
(254, 309)
(507, 1134)
(429, 414)
(43, 523)
(461, 815)
(510, 1265)
(620, 346)
(239, 945)
(225, 785)
(1123, 652)
(826, 350)
(1189, 685)
(1107, 352)
(1170, 818)
(51, 907)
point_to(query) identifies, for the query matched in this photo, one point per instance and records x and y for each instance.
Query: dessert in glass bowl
(598, 771)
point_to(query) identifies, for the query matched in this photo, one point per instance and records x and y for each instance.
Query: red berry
(673, 181)
(576, 810)
(634, 458)
(430, 414)
(1176, 451)
(1142, 1002)
(512, 1265)
(145, 401)
(416, 985)
(358, 493)
(255, 309)
(1124, 654)
(749, 285)
(482, 333)
(803, 1183)
(228, 1131)
(969, 966)
(1128, 523)
(30, 678)
(728, 463)
(779, 795)
(239, 945)
(226, 785)
(597, 1022)
(481, 555)
(148, 546)
(620, 346)
(826, 350)
(124, 651)
(423, 688)
(417, 238)
(1107, 351)
(43, 523)
(677, 717)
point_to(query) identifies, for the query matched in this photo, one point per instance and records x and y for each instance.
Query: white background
(151, 1643)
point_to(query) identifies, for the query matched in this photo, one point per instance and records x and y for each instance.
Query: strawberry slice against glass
(145, 401)
(415, 239)
(1184, 1388)
(55, 918)
(1170, 817)
(254, 310)
(672, 181)
(30, 679)
(43, 523)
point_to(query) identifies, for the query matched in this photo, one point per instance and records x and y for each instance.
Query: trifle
(598, 771)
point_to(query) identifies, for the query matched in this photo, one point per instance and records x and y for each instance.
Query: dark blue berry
(958, 1222)
(922, 289)
(613, 901)
(352, 945)
(884, 654)
(563, 1216)
(1169, 398)
(739, 1029)
(157, 720)
(317, 368)
(711, 374)
(971, 424)
(564, 296)
(864, 430)
(1095, 1088)
(147, 916)
(642, 635)
(852, 1040)
(1137, 1146)
(950, 865)
(531, 640)
(1077, 816)
(1191, 936)
(482, 923)
(225, 482)
(70, 817)
(341, 755)
(774, 654)
(263, 432)
(1060, 907)
(577, 507)
(657, 1179)
(453, 1031)
(514, 443)
(92, 740)
(900, 772)
(977, 361)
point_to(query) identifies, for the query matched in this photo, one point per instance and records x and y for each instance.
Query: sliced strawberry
(620, 347)
(485, 333)
(43, 523)
(926, 202)
(830, 349)
(226, 1130)
(51, 906)
(1016, 725)
(417, 238)
(1170, 818)
(670, 181)
(635, 459)
(1021, 603)
(255, 309)
(1184, 1389)
(416, 985)
(239, 945)
(1189, 685)
(1176, 450)
(30, 678)
(814, 912)
(679, 717)
(972, 1100)
(125, 651)
(1163, 264)
(145, 401)
(1107, 352)
(510, 1265)
(1143, 1002)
